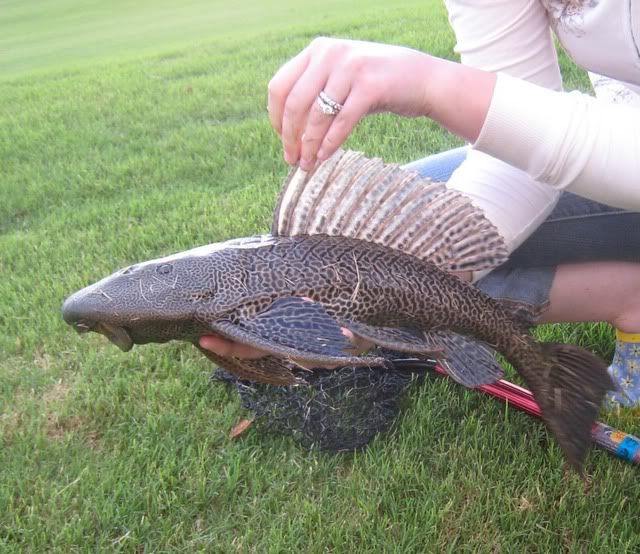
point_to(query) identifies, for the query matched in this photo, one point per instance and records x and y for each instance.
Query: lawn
(40, 34)
(131, 132)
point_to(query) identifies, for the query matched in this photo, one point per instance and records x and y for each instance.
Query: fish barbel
(292, 292)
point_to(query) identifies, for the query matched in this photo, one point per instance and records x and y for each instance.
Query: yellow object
(627, 337)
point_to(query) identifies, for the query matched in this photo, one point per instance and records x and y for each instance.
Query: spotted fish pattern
(291, 296)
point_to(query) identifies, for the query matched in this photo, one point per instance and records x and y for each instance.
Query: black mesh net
(338, 410)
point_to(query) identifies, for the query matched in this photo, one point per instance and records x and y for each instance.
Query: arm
(512, 37)
(368, 77)
(567, 140)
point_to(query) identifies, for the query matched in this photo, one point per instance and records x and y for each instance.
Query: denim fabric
(578, 230)
(439, 167)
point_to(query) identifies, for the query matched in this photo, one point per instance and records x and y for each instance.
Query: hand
(228, 349)
(365, 77)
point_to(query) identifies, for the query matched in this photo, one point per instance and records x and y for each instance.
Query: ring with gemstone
(327, 104)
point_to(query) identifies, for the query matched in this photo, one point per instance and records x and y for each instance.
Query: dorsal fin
(354, 196)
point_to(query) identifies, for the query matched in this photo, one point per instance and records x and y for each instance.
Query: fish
(358, 245)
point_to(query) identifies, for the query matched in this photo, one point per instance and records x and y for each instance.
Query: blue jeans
(578, 230)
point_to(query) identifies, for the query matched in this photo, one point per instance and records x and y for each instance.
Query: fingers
(229, 349)
(356, 106)
(281, 84)
(300, 102)
(293, 92)
(343, 70)
(360, 345)
(318, 123)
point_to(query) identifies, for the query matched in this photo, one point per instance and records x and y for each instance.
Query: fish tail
(569, 389)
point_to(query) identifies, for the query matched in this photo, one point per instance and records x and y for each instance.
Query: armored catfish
(361, 245)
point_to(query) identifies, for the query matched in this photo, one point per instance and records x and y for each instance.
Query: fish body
(291, 294)
(178, 297)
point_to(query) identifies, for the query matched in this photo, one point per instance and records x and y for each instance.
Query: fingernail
(205, 342)
(306, 164)
(288, 157)
(322, 155)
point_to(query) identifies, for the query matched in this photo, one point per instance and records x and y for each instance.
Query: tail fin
(570, 392)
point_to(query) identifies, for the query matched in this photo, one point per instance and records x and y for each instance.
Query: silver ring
(327, 104)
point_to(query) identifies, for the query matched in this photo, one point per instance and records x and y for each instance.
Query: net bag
(337, 410)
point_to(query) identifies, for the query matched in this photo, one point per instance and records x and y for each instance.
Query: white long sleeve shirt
(538, 140)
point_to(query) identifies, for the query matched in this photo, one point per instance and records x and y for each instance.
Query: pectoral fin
(294, 328)
(468, 361)
(400, 339)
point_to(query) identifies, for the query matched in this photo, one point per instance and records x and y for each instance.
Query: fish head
(135, 305)
(162, 299)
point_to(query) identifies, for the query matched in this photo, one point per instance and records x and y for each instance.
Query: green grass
(121, 161)
(39, 34)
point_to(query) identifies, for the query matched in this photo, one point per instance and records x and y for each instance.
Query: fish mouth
(117, 335)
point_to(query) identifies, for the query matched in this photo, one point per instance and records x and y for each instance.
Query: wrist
(457, 97)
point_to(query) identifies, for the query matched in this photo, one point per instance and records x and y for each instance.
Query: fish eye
(164, 269)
